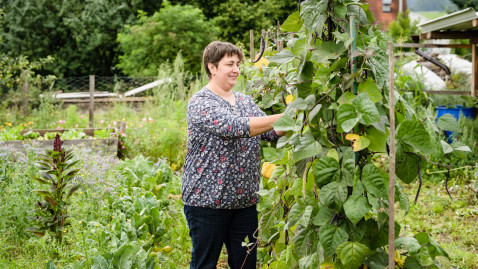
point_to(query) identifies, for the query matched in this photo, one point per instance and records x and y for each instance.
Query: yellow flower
(289, 98)
(267, 169)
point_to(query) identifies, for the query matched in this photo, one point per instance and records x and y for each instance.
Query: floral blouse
(222, 165)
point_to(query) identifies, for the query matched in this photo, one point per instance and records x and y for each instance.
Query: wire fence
(102, 84)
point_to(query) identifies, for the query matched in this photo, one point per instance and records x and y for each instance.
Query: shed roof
(466, 19)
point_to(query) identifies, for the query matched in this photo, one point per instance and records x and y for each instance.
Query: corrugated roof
(457, 21)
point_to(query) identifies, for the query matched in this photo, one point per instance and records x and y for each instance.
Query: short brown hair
(216, 50)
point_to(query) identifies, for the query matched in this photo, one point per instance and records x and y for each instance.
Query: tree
(159, 38)
(462, 4)
(237, 17)
(80, 35)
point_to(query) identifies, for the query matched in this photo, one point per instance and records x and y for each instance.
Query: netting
(102, 84)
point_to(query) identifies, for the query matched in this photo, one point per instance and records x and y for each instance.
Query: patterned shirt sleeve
(211, 117)
(270, 136)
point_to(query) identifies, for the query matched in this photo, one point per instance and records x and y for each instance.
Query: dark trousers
(211, 228)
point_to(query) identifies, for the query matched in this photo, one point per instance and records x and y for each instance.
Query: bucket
(457, 112)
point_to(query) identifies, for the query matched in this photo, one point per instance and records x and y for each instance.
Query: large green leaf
(326, 51)
(449, 123)
(378, 139)
(352, 254)
(51, 265)
(284, 56)
(323, 217)
(308, 148)
(325, 170)
(410, 243)
(300, 48)
(412, 263)
(356, 207)
(366, 108)
(286, 123)
(293, 23)
(373, 181)
(379, 260)
(369, 86)
(407, 165)
(100, 263)
(333, 195)
(123, 257)
(413, 133)
(347, 117)
(302, 240)
(331, 237)
(314, 15)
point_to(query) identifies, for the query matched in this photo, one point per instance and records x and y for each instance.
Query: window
(386, 6)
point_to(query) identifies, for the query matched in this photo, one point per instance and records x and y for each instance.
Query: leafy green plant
(326, 200)
(73, 134)
(56, 170)
(11, 133)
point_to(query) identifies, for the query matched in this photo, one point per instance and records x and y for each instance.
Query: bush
(158, 39)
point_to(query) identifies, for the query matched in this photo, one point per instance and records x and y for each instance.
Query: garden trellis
(325, 197)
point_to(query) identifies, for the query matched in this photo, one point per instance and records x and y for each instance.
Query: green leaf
(379, 260)
(352, 254)
(407, 165)
(325, 170)
(123, 257)
(356, 207)
(369, 86)
(323, 217)
(373, 181)
(303, 238)
(310, 261)
(284, 56)
(331, 237)
(412, 263)
(308, 148)
(314, 112)
(446, 147)
(293, 23)
(366, 108)
(410, 243)
(300, 49)
(326, 51)
(100, 263)
(333, 195)
(285, 124)
(51, 265)
(448, 123)
(314, 15)
(306, 73)
(347, 117)
(378, 139)
(304, 220)
(413, 133)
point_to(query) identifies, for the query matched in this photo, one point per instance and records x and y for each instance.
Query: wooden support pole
(279, 43)
(391, 184)
(92, 100)
(474, 72)
(25, 87)
(251, 44)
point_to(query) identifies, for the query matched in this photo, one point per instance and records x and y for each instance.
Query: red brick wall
(382, 18)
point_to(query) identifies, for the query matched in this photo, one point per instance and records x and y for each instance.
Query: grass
(450, 222)
(432, 14)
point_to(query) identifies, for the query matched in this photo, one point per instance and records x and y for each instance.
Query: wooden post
(25, 97)
(474, 72)
(251, 44)
(279, 43)
(391, 184)
(92, 99)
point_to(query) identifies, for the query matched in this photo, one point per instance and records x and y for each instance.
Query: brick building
(386, 11)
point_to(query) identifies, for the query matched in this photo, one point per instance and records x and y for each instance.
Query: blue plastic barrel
(457, 112)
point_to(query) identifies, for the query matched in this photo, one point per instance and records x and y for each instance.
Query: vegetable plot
(326, 201)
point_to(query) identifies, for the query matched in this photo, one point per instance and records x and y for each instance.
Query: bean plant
(327, 200)
(56, 170)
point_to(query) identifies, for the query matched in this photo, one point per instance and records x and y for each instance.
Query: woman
(222, 166)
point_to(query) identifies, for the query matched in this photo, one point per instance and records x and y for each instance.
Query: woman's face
(226, 73)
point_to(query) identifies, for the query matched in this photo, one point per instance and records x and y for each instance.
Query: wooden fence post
(251, 44)
(92, 100)
(279, 43)
(391, 184)
(25, 87)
